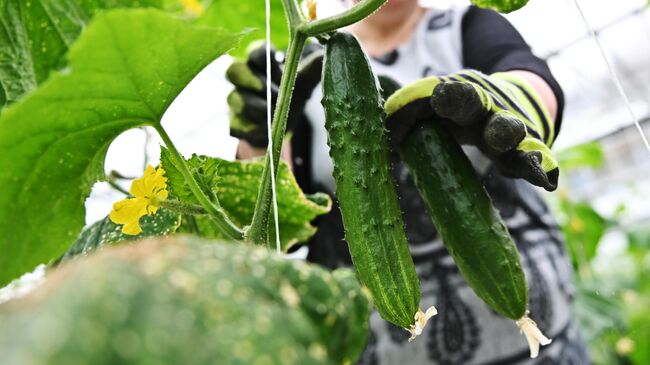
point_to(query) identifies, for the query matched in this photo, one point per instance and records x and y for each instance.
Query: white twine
(268, 125)
(613, 75)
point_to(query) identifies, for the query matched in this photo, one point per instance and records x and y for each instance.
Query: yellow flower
(148, 192)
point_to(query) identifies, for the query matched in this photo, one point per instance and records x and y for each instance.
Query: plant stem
(293, 14)
(350, 16)
(215, 211)
(257, 232)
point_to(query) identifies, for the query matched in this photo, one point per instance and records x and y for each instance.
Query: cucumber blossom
(366, 192)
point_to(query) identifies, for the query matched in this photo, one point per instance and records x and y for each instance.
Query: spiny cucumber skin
(468, 223)
(364, 186)
(187, 301)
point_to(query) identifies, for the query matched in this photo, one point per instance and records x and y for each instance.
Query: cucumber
(184, 300)
(366, 192)
(468, 223)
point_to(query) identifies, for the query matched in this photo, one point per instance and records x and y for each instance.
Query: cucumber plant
(60, 114)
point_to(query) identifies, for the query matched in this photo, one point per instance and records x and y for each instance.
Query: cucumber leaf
(504, 6)
(236, 184)
(105, 232)
(124, 71)
(251, 14)
(36, 35)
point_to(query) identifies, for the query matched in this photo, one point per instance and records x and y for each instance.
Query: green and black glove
(248, 101)
(501, 114)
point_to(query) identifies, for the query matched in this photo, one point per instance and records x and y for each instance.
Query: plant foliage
(123, 72)
(37, 34)
(236, 184)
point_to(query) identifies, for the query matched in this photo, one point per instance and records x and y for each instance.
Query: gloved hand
(248, 101)
(500, 114)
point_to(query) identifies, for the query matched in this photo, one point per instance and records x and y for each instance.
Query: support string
(268, 125)
(613, 75)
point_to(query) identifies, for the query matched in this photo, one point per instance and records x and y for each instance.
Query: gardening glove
(500, 114)
(247, 101)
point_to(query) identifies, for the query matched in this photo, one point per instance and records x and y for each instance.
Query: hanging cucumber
(469, 225)
(368, 201)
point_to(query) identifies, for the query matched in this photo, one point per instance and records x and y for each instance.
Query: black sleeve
(491, 44)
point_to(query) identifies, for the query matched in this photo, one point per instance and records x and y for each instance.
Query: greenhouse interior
(373, 182)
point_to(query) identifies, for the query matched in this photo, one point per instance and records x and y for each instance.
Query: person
(469, 67)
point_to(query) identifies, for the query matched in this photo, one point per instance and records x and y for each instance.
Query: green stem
(180, 207)
(115, 186)
(350, 16)
(293, 14)
(257, 232)
(217, 214)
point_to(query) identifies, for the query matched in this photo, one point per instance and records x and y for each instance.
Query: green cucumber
(366, 192)
(468, 223)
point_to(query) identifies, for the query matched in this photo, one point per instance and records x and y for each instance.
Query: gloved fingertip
(257, 63)
(257, 57)
(235, 101)
(240, 75)
(459, 102)
(503, 133)
(553, 177)
(532, 171)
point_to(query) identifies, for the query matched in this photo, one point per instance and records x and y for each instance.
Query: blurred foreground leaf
(186, 301)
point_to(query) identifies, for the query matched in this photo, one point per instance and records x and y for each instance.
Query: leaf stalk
(213, 208)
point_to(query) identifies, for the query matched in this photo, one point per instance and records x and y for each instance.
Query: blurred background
(603, 203)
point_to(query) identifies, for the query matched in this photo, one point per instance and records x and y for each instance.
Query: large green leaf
(105, 232)
(35, 35)
(240, 14)
(236, 187)
(124, 71)
(504, 6)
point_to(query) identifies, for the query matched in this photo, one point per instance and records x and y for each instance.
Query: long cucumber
(365, 190)
(468, 223)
